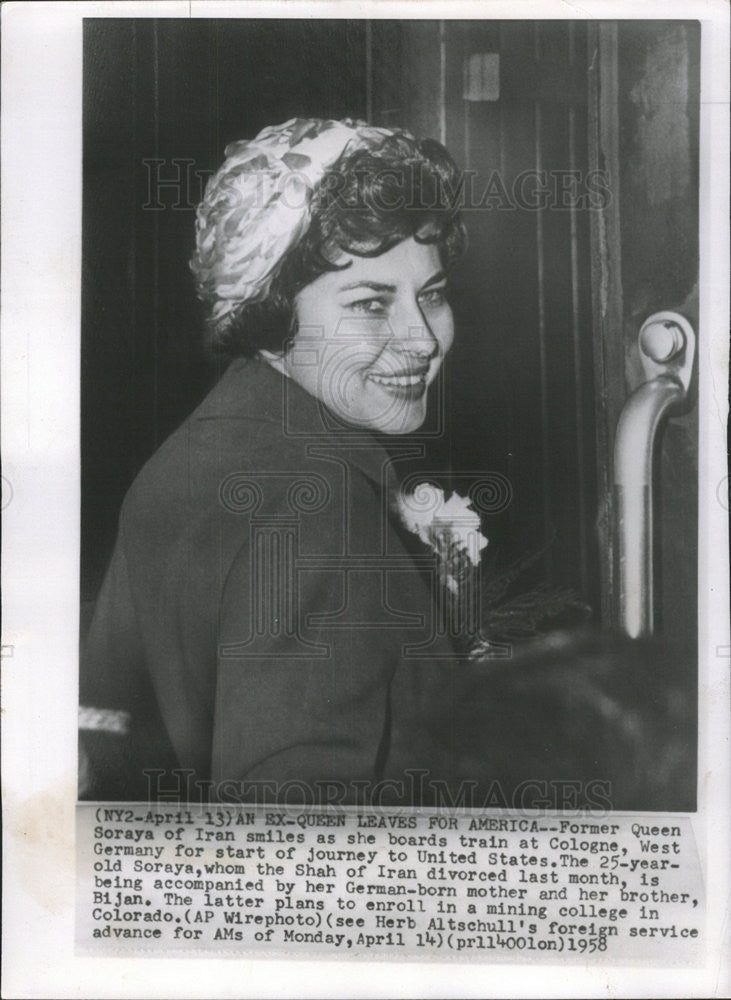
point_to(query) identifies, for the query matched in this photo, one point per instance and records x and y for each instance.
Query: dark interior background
(536, 375)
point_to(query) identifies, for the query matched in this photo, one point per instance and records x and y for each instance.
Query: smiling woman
(265, 618)
(278, 618)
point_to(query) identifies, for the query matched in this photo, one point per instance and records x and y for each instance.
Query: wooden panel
(645, 254)
(659, 108)
(606, 291)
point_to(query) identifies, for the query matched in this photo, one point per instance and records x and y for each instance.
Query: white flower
(450, 527)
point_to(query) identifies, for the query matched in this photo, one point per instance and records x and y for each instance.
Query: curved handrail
(633, 461)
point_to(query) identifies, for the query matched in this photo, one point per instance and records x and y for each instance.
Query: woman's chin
(403, 423)
(402, 417)
(403, 427)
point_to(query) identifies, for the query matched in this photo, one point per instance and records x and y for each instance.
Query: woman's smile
(406, 385)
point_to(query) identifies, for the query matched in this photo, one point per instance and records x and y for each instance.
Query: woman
(268, 629)
(265, 619)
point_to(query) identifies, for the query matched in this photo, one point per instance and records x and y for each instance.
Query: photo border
(41, 267)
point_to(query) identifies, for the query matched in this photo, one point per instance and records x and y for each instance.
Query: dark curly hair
(370, 200)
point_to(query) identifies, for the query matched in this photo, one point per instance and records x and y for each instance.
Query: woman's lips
(409, 385)
(404, 379)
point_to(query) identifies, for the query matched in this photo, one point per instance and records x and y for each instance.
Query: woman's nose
(413, 334)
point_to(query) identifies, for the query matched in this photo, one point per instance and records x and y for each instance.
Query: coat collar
(251, 390)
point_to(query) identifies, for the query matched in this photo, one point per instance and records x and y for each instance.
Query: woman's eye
(434, 297)
(372, 307)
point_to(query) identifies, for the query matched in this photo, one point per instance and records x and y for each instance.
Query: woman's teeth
(400, 380)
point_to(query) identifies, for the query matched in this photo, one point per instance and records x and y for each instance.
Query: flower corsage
(481, 608)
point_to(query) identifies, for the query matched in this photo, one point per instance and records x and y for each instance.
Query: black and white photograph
(388, 412)
(365, 499)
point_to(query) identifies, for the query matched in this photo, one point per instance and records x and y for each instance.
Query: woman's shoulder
(248, 389)
(248, 426)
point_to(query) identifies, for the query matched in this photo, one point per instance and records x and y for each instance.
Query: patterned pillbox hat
(257, 206)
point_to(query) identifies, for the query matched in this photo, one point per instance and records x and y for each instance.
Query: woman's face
(371, 337)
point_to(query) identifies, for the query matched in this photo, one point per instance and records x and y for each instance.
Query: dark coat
(264, 619)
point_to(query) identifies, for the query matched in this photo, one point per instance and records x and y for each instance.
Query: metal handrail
(667, 349)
